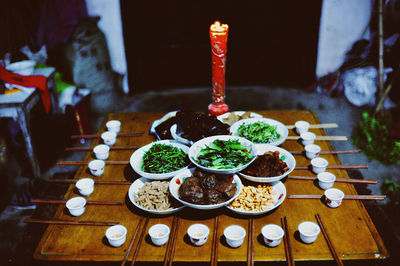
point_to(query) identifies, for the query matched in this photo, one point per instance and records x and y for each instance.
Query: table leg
(24, 122)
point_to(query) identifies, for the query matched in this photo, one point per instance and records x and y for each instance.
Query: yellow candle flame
(218, 27)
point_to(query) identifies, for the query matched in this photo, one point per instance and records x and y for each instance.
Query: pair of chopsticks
(326, 125)
(214, 251)
(69, 222)
(306, 167)
(286, 239)
(85, 162)
(111, 148)
(89, 202)
(250, 245)
(96, 182)
(169, 253)
(339, 180)
(95, 136)
(346, 197)
(326, 152)
(142, 234)
(320, 138)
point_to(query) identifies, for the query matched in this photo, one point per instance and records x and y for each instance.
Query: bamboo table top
(349, 226)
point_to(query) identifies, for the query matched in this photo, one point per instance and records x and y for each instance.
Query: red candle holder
(219, 38)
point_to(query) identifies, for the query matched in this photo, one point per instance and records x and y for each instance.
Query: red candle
(219, 38)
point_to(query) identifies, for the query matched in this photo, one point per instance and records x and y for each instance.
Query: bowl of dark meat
(198, 189)
(272, 164)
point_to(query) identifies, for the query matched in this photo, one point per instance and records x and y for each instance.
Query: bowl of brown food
(272, 164)
(202, 190)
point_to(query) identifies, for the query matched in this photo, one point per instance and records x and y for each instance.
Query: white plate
(238, 113)
(281, 128)
(136, 160)
(178, 180)
(178, 136)
(289, 160)
(133, 195)
(159, 121)
(279, 197)
(197, 146)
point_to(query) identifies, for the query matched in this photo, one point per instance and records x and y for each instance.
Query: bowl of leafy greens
(222, 154)
(160, 159)
(260, 131)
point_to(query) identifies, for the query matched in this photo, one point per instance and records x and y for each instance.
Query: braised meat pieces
(206, 188)
(266, 165)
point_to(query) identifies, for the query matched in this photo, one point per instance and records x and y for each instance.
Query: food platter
(224, 117)
(159, 121)
(281, 129)
(279, 197)
(289, 160)
(178, 136)
(177, 180)
(133, 195)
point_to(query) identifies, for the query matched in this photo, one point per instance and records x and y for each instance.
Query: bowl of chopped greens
(222, 154)
(160, 159)
(260, 131)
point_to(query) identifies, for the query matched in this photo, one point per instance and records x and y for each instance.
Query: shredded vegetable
(163, 158)
(259, 132)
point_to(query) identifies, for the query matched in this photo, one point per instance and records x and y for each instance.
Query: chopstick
(89, 202)
(250, 255)
(170, 239)
(305, 167)
(172, 247)
(328, 241)
(326, 152)
(214, 251)
(339, 180)
(97, 182)
(346, 197)
(132, 241)
(320, 138)
(326, 125)
(135, 254)
(67, 222)
(95, 136)
(111, 148)
(286, 239)
(85, 162)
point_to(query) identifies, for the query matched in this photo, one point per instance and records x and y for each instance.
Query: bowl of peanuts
(256, 199)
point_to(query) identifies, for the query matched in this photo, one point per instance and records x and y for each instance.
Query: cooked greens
(224, 154)
(163, 158)
(259, 132)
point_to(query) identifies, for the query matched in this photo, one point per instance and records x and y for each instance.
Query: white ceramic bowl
(96, 167)
(197, 146)
(101, 151)
(281, 129)
(319, 165)
(178, 135)
(179, 179)
(113, 126)
(109, 138)
(133, 195)
(312, 151)
(234, 235)
(159, 121)
(308, 231)
(326, 180)
(159, 234)
(289, 160)
(333, 197)
(301, 126)
(116, 235)
(76, 206)
(136, 160)
(272, 234)
(307, 138)
(198, 234)
(225, 116)
(85, 186)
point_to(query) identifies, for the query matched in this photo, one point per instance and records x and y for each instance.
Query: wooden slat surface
(350, 226)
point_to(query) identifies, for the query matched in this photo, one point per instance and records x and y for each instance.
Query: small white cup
(234, 235)
(326, 180)
(113, 126)
(76, 206)
(159, 234)
(272, 234)
(319, 165)
(85, 186)
(109, 138)
(308, 231)
(198, 234)
(96, 167)
(333, 197)
(301, 126)
(307, 138)
(116, 235)
(312, 151)
(101, 151)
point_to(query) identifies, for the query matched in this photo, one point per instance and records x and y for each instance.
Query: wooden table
(350, 227)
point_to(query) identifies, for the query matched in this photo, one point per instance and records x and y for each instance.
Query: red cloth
(35, 81)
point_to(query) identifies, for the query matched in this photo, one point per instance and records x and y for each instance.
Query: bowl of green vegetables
(260, 131)
(160, 159)
(222, 154)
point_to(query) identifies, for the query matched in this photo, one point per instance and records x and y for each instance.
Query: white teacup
(116, 235)
(272, 234)
(319, 165)
(307, 138)
(109, 138)
(308, 231)
(76, 206)
(113, 126)
(234, 235)
(96, 167)
(198, 234)
(312, 151)
(159, 234)
(101, 151)
(301, 126)
(85, 186)
(326, 180)
(333, 197)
